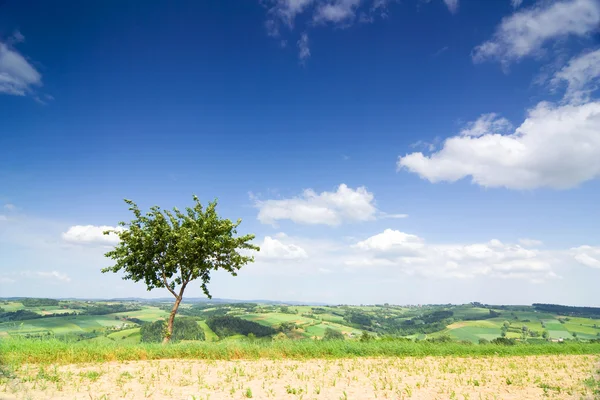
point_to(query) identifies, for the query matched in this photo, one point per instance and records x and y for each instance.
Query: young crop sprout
(170, 249)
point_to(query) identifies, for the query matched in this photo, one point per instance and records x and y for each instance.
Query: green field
(147, 314)
(209, 335)
(458, 322)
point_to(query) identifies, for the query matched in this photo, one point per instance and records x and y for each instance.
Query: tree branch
(164, 275)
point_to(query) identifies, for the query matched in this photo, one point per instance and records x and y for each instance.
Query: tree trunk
(167, 337)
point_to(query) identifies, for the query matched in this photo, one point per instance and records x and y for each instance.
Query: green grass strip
(20, 351)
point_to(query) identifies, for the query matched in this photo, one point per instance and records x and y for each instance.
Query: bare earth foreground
(529, 377)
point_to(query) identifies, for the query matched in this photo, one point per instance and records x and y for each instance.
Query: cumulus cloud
(17, 75)
(526, 32)
(581, 75)
(274, 249)
(587, 255)
(391, 241)
(91, 234)
(411, 255)
(328, 208)
(556, 147)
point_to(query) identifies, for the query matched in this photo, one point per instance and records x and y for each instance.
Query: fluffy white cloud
(303, 49)
(581, 77)
(411, 255)
(530, 242)
(587, 255)
(526, 32)
(516, 3)
(274, 249)
(452, 5)
(556, 147)
(59, 276)
(17, 75)
(91, 234)
(328, 208)
(391, 241)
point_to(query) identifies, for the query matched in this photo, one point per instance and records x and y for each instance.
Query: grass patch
(18, 351)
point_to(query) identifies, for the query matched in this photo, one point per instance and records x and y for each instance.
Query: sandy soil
(560, 377)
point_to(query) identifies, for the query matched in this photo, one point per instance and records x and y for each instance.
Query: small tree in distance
(169, 250)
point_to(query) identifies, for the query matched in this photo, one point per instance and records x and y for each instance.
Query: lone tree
(170, 249)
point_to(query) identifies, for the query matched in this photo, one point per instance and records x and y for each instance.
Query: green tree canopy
(170, 249)
(332, 334)
(183, 329)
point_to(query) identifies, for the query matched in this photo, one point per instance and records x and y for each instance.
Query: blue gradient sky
(255, 102)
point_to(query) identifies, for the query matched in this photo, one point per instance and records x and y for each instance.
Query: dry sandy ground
(560, 377)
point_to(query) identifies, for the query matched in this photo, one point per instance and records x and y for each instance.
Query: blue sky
(381, 151)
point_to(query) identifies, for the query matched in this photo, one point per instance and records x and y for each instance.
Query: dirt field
(534, 377)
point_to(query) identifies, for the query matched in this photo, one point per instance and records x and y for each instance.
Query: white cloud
(3, 217)
(17, 75)
(303, 49)
(336, 11)
(10, 207)
(59, 276)
(287, 10)
(530, 242)
(486, 123)
(581, 76)
(383, 215)
(556, 147)
(411, 255)
(587, 255)
(328, 208)
(6, 280)
(91, 234)
(452, 5)
(516, 3)
(391, 241)
(526, 32)
(274, 249)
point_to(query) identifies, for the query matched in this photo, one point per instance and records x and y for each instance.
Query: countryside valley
(142, 321)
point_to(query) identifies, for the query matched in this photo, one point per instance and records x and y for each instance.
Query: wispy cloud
(303, 49)
(581, 75)
(284, 16)
(440, 51)
(452, 5)
(54, 275)
(17, 76)
(526, 32)
(516, 3)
